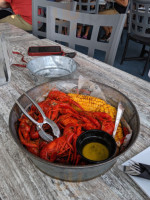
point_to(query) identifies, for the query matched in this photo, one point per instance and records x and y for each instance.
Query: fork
(135, 168)
(131, 169)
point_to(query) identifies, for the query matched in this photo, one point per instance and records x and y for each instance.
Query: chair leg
(146, 64)
(122, 37)
(125, 49)
(143, 51)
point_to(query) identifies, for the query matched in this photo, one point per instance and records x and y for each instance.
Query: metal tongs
(52, 124)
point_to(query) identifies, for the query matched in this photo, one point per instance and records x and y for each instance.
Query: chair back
(39, 13)
(96, 21)
(88, 6)
(139, 18)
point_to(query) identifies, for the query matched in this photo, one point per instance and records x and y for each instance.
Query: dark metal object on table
(70, 55)
(67, 172)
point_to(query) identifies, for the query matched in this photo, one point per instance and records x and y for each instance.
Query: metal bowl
(67, 172)
(45, 68)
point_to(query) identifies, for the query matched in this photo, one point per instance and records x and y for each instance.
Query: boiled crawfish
(72, 121)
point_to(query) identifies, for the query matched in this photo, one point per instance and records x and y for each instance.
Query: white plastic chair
(96, 21)
(139, 31)
(39, 19)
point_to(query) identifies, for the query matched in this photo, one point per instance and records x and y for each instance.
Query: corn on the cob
(94, 104)
(88, 103)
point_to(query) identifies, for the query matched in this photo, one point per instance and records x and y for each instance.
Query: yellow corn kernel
(119, 134)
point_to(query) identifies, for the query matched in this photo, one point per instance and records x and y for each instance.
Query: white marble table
(20, 179)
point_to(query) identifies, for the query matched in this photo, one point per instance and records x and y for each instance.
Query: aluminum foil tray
(45, 68)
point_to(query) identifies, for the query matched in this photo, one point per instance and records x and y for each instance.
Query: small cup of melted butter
(96, 146)
(95, 151)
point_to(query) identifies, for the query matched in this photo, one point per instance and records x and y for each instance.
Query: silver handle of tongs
(46, 120)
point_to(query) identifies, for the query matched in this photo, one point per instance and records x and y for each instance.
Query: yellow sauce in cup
(95, 151)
